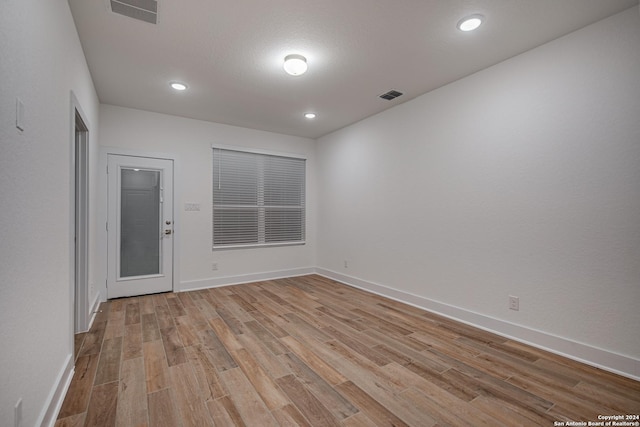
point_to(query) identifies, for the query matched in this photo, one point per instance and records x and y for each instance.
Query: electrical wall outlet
(214, 266)
(514, 303)
(346, 264)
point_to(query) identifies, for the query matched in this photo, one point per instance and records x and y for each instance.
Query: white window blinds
(258, 199)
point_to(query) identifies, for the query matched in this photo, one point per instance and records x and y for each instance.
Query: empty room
(332, 213)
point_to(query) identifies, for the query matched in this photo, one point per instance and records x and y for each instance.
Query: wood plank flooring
(308, 351)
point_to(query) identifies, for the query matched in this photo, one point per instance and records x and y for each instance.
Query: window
(258, 199)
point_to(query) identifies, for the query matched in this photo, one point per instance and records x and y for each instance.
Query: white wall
(522, 179)
(189, 141)
(41, 63)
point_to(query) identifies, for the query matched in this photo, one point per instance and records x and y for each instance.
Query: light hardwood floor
(313, 352)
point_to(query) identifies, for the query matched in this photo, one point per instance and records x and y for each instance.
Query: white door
(139, 225)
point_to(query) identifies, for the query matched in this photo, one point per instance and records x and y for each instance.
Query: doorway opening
(80, 224)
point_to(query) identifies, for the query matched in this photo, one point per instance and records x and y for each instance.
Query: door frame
(79, 218)
(102, 240)
(81, 195)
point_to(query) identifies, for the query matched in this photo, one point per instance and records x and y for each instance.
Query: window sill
(257, 245)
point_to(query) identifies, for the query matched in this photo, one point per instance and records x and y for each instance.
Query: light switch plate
(19, 114)
(17, 419)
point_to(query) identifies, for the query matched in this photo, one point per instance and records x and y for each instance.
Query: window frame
(261, 217)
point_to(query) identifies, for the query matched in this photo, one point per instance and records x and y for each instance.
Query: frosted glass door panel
(140, 231)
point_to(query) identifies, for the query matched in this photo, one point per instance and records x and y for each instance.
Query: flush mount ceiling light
(310, 115)
(178, 86)
(295, 64)
(470, 22)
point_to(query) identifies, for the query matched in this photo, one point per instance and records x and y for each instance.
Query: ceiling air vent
(392, 94)
(143, 10)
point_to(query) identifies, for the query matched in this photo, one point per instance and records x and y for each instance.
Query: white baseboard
(56, 396)
(59, 391)
(600, 358)
(93, 310)
(214, 282)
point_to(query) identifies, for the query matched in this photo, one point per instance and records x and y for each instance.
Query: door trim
(79, 219)
(81, 181)
(101, 217)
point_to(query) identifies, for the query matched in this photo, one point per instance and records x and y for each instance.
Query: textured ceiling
(230, 53)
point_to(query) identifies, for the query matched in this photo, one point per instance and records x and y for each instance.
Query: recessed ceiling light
(295, 64)
(178, 86)
(470, 22)
(310, 115)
